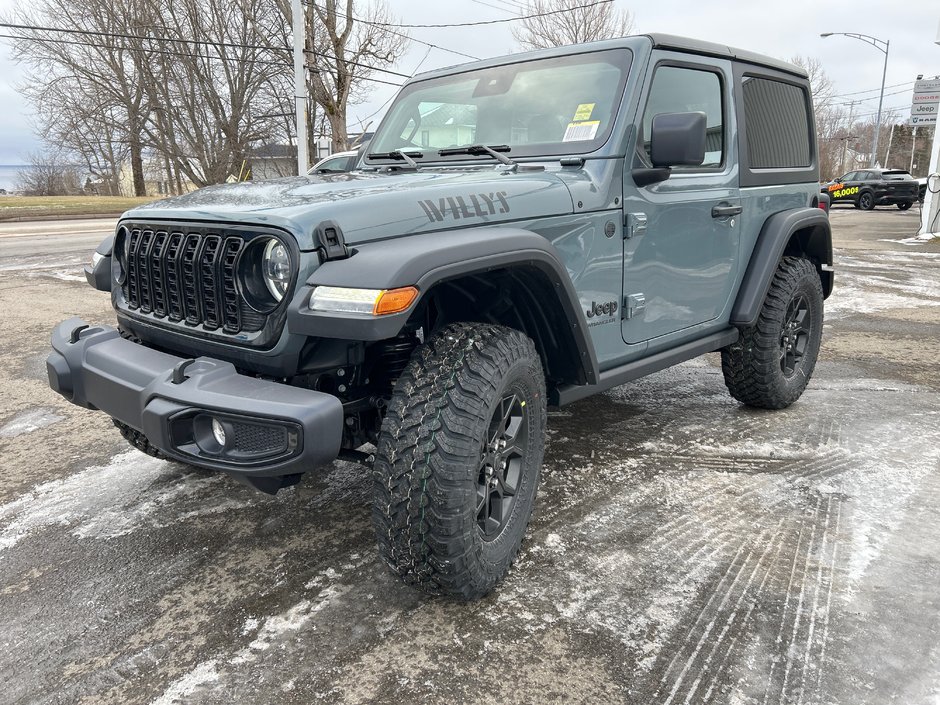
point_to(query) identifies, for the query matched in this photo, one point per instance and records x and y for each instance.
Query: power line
(873, 90)
(198, 42)
(865, 100)
(165, 52)
(47, 40)
(486, 22)
(410, 38)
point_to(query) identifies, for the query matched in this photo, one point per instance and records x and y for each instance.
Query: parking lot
(685, 549)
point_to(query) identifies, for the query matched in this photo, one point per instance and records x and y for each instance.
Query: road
(54, 237)
(685, 549)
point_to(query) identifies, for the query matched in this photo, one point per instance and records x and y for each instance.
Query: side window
(851, 176)
(677, 89)
(777, 124)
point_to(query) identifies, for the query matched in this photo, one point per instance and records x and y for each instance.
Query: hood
(372, 205)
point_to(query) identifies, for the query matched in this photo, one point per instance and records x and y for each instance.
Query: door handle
(725, 211)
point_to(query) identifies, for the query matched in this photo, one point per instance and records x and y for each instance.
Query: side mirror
(677, 139)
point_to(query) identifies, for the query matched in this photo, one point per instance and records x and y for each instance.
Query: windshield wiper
(479, 150)
(400, 155)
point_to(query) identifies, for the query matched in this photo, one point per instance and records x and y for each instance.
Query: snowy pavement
(685, 549)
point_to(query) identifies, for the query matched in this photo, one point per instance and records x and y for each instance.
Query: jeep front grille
(187, 277)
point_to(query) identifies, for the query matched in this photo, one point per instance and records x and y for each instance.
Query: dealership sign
(926, 102)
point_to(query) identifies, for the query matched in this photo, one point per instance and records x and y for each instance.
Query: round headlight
(275, 268)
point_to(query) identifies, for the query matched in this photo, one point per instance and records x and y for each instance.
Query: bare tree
(96, 68)
(195, 86)
(79, 120)
(49, 174)
(570, 22)
(205, 100)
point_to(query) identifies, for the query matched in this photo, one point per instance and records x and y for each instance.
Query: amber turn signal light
(394, 300)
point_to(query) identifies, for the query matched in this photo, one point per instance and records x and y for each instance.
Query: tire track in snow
(833, 562)
(711, 611)
(722, 666)
(823, 547)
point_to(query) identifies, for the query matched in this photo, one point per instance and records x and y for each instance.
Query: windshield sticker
(475, 205)
(579, 131)
(583, 112)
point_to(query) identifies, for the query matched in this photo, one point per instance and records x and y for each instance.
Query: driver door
(681, 253)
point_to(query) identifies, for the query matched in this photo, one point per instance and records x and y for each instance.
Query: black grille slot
(158, 275)
(144, 273)
(171, 264)
(209, 280)
(191, 308)
(231, 306)
(188, 276)
(131, 289)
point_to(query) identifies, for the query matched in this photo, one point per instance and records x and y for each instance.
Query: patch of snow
(109, 500)
(277, 626)
(29, 421)
(180, 690)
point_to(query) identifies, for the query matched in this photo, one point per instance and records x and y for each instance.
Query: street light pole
(881, 45)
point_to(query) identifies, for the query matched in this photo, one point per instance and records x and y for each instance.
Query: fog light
(218, 432)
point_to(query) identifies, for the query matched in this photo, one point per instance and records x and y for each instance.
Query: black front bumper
(269, 429)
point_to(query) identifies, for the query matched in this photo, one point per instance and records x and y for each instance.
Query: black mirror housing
(678, 139)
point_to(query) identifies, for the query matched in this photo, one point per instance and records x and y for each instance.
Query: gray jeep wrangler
(523, 232)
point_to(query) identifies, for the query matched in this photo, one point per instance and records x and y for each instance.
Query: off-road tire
(905, 205)
(866, 200)
(753, 367)
(138, 440)
(428, 463)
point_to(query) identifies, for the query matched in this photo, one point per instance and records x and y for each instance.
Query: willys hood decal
(369, 206)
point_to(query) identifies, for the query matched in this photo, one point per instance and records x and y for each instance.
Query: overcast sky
(780, 29)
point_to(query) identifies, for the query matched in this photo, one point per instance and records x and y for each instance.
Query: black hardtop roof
(660, 41)
(698, 46)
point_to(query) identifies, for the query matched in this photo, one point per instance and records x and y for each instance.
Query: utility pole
(846, 138)
(300, 85)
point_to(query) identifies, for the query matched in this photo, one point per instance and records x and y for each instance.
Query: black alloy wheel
(795, 335)
(866, 201)
(501, 463)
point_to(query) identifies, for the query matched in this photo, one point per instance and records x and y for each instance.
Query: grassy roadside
(22, 207)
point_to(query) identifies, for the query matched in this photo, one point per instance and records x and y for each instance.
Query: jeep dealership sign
(926, 102)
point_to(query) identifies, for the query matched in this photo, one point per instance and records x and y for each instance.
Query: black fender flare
(426, 260)
(813, 238)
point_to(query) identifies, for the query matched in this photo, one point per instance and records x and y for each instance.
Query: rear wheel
(905, 205)
(866, 201)
(458, 459)
(772, 362)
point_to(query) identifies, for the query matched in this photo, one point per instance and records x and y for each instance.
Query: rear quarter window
(778, 124)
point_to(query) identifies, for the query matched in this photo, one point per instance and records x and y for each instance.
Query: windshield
(562, 105)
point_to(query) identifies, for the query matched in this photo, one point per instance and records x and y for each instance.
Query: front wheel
(905, 205)
(772, 362)
(866, 201)
(458, 459)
